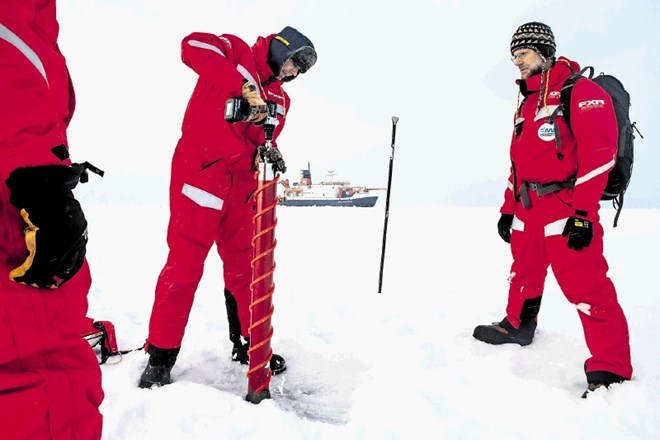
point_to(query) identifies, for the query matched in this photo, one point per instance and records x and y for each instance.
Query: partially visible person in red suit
(50, 380)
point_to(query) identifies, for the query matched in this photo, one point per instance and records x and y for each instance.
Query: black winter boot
(504, 333)
(159, 366)
(239, 352)
(599, 379)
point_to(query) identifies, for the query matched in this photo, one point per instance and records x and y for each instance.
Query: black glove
(579, 231)
(504, 227)
(56, 232)
(272, 155)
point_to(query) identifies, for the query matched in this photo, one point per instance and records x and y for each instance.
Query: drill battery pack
(237, 110)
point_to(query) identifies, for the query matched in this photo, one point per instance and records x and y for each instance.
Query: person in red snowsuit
(50, 380)
(213, 181)
(550, 210)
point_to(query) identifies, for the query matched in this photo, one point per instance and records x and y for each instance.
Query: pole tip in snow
(395, 119)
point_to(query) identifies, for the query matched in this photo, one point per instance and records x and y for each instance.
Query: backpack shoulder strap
(567, 91)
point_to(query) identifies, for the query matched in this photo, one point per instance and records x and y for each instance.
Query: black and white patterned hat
(536, 36)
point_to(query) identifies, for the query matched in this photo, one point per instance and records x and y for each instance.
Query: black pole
(387, 204)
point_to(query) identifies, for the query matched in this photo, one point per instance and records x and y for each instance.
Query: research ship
(330, 192)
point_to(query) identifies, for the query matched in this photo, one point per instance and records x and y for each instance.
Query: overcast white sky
(441, 66)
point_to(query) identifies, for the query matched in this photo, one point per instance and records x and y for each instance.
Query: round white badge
(547, 132)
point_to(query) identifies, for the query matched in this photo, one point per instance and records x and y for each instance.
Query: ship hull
(365, 202)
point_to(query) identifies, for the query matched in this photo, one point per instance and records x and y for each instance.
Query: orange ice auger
(262, 286)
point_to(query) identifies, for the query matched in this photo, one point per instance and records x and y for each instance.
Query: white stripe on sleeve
(207, 46)
(26, 50)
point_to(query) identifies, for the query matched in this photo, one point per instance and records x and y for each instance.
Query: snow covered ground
(396, 365)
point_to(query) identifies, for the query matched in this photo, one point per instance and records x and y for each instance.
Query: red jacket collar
(559, 73)
(260, 51)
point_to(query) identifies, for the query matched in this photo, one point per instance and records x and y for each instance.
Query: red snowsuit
(50, 380)
(536, 241)
(213, 181)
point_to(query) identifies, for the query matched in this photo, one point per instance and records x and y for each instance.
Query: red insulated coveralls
(50, 380)
(213, 181)
(536, 241)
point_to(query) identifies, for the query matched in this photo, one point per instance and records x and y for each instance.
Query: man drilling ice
(213, 180)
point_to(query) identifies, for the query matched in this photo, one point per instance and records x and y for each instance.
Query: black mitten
(272, 155)
(579, 231)
(504, 227)
(56, 232)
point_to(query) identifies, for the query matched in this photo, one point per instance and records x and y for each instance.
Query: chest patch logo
(546, 132)
(591, 104)
(274, 95)
(555, 95)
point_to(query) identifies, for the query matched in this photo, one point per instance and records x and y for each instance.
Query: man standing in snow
(50, 380)
(213, 181)
(550, 211)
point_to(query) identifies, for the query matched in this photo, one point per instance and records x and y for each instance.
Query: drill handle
(271, 121)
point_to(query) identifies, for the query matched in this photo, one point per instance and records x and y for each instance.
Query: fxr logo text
(593, 103)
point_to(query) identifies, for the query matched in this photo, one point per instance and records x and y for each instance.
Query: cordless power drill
(238, 110)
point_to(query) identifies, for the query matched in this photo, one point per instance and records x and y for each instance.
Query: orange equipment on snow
(263, 267)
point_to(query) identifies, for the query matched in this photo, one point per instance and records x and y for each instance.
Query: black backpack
(619, 176)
